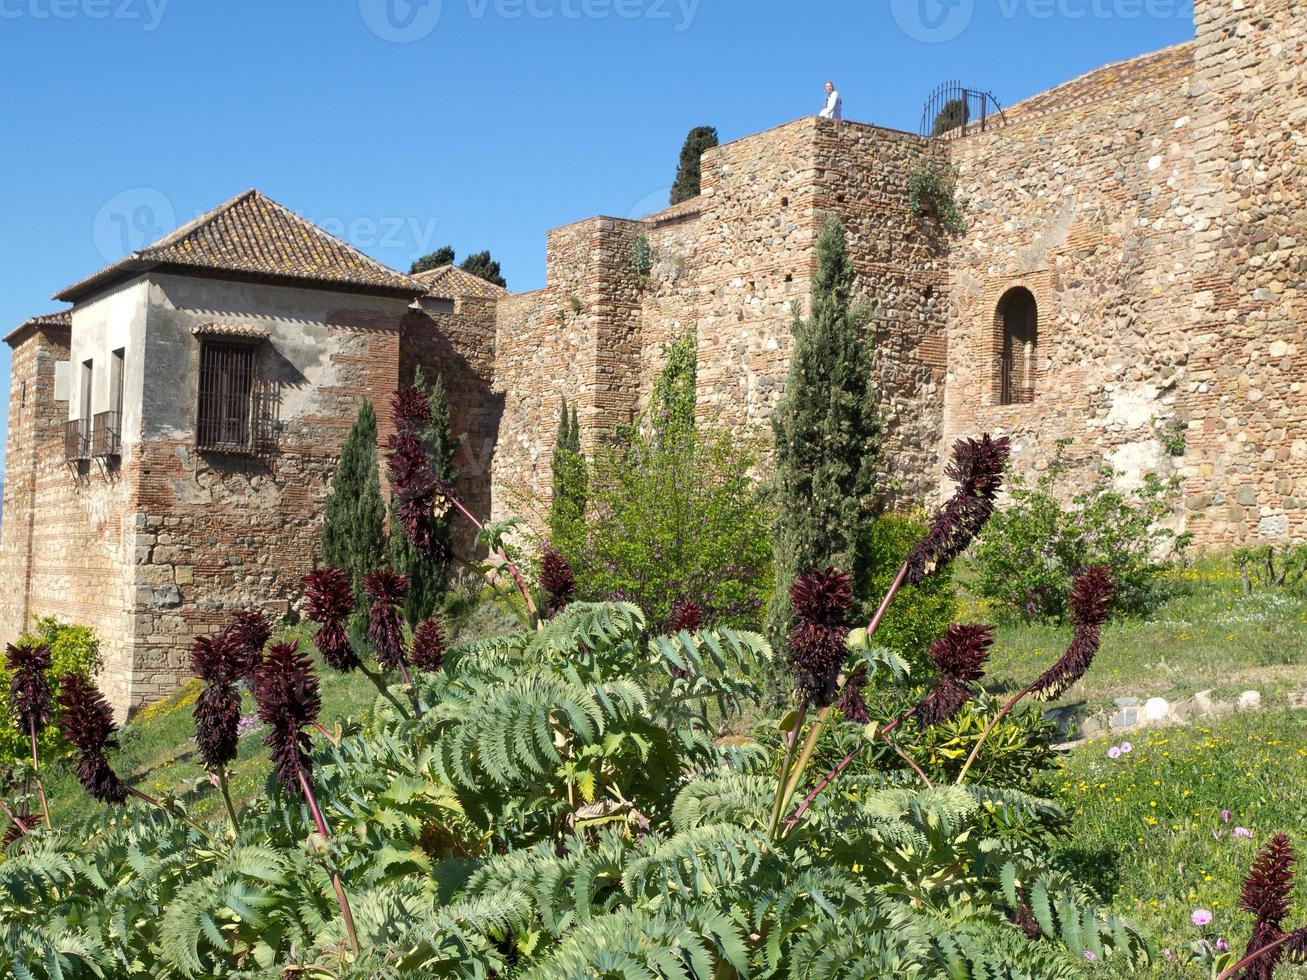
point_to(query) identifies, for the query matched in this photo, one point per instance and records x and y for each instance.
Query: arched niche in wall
(1016, 336)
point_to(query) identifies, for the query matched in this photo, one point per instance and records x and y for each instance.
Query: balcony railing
(77, 442)
(106, 434)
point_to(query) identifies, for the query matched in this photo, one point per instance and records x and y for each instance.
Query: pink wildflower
(1243, 832)
(1114, 753)
(1201, 917)
(1126, 748)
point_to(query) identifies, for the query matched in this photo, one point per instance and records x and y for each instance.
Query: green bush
(1035, 546)
(73, 650)
(921, 612)
(678, 520)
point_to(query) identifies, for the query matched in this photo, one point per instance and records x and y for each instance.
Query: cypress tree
(688, 174)
(427, 578)
(827, 433)
(571, 484)
(434, 260)
(482, 265)
(353, 530)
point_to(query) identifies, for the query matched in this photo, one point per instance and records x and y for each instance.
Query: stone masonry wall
(218, 533)
(732, 267)
(64, 527)
(1246, 389)
(1085, 203)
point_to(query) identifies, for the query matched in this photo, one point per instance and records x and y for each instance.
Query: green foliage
(353, 528)
(480, 264)
(931, 192)
(642, 256)
(427, 578)
(1016, 752)
(571, 484)
(954, 115)
(1272, 566)
(921, 612)
(441, 256)
(687, 183)
(73, 650)
(1035, 546)
(674, 513)
(565, 804)
(826, 434)
(1173, 436)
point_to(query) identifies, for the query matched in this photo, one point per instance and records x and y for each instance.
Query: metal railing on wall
(954, 110)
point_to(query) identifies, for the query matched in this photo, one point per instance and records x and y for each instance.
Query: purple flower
(1243, 832)
(1126, 748)
(1221, 945)
(1090, 956)
(1114, 753)
(1091, 600)
(385, 628)
(1225, 816)
(1201, 917)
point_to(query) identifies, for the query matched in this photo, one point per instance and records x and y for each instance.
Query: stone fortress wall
(1153, 214)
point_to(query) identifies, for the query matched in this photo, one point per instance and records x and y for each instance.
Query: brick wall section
(67, 532)
(1246, 384)
(1086, 204)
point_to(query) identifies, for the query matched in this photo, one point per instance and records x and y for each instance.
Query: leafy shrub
(673, 511)
(73, 650)
(671, 521)
(931, 192)
(921, 612)
(1272, 567)
(1036, 546)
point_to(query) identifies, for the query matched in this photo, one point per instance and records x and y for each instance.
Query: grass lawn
(1149, 829)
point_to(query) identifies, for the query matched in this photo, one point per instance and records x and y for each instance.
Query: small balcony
(106, 435)
(77, 440)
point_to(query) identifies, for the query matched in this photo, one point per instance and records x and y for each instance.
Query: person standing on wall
(834, 104)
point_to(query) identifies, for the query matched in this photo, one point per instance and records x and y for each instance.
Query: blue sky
(480, 123)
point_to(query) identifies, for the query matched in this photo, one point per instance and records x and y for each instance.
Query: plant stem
(910, 761)
(19, 822)
(805, 756)
(512, 569)
(36, 768)
(221, 776)
(1253, 957)
(831, 776)
(791, 742)
(174, 813)
(346, 914)
(380, 684)
(325, 734)
(885, 603)
(989, 728)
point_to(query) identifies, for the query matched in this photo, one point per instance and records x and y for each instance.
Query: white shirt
(834, 106)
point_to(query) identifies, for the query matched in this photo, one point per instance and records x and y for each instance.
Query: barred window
(225, 419)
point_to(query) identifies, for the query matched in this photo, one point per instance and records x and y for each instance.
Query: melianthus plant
(569, 799)
(30, 701)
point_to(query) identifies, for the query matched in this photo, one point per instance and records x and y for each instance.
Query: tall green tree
(482, 265)
(441, 256)
(688, 174)
(354, 526)
(571, 483)
(427, 578)
(826, 434)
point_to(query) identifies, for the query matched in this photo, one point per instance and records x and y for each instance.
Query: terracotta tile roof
(63, 318)
(451, 282)
(244, 330)
(252, 235)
